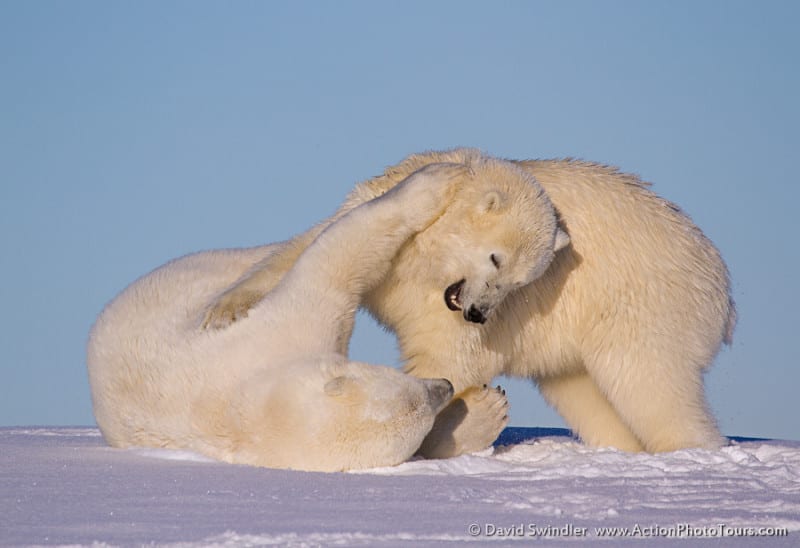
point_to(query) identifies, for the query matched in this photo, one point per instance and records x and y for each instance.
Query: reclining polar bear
(275, 389)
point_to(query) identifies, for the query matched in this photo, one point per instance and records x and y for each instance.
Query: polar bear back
(609, 214)
(146, 331)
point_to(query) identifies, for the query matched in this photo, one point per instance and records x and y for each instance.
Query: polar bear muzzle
(452, 298)
(475, 315)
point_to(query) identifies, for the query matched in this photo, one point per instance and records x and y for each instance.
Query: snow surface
(64, 486)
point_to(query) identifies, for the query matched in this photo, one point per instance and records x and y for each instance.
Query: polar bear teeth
(452, 295)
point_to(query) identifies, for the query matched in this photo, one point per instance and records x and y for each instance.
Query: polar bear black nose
(474, 315)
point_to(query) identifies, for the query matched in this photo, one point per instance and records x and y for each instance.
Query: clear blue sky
(135, 132)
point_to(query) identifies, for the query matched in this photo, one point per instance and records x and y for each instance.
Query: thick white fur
(276, 388)
(616, 328)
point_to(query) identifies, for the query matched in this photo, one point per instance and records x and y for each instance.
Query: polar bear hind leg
(471, 422)
(660, 399)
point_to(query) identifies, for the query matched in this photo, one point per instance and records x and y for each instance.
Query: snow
(64, 486)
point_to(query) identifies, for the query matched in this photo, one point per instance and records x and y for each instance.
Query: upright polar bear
(275, 389)
(616, 328)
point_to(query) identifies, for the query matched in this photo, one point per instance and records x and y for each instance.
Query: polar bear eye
(495, 260)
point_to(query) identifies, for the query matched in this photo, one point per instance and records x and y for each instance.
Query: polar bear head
(500, 233)
(330, 414)
(380, 415)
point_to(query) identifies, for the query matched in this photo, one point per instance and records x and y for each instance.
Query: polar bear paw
(471, 422)
(229, 307)
(429, 190)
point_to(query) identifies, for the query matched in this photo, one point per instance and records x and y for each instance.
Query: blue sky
(135, 132)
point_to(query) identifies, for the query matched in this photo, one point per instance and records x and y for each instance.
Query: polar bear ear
(339, 386)
(494, 200)
(562, 239)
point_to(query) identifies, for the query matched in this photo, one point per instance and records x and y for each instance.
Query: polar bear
(275, 389)
(621, 317)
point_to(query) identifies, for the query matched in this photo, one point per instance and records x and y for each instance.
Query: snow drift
(65, 486)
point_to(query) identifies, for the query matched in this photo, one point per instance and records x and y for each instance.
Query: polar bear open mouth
(452, 295)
